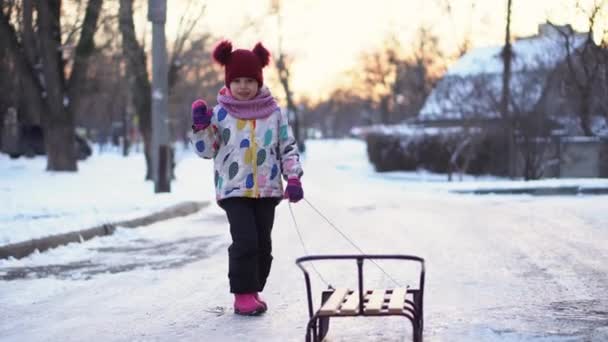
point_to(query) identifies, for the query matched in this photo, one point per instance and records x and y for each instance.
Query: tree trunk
(284, 78)
(140, 86)
(28, 39)
(40, 69)
(84, 49)
(58, 121)
(29, 85)
(585, 114)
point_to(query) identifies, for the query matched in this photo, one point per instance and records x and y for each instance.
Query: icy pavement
(499, 268)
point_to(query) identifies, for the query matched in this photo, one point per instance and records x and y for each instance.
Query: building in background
(557, 106)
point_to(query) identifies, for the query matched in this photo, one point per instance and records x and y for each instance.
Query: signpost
(161, 151)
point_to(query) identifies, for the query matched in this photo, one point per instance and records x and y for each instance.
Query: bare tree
(533, 124)
(20, 52)
(8, 99)
(418, 75)
(396, 83)
(58, 121)
(584, 66)
(466, 42)
(377, 78)
(199, 77)
(190, 58)
(283, 64)
(184, 34)
(38, 51)
(84, 50)
(336, 116)
(139, 81)
(387, 86)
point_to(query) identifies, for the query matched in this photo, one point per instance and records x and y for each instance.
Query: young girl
(252, 145)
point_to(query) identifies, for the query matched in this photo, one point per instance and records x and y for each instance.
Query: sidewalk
(541, 187)
(539, 191)
(25, 248)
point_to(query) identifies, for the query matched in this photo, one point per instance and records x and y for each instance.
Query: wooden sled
(344, 302)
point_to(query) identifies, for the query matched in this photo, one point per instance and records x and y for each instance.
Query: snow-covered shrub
(439, 150)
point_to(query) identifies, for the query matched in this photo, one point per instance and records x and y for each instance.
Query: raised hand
(201, 115)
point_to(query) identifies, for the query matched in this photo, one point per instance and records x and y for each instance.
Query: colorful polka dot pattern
(245, 153)
(221, 115)
(233, 169)
(261, 157)
(200, 146)
(274, 172)
(226, 136)
(268, 137)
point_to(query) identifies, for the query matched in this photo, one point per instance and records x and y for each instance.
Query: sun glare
(325, 38)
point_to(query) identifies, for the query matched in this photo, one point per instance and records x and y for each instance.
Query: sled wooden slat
(395, 304)
(405, 301)
(333, 303)
(375, 301)
(351, 306)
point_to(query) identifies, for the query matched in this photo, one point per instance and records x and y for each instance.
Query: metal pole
(161, 159)
(507, 56)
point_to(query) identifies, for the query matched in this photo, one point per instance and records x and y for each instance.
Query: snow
(460, 97)
(582, 139)
(411, 130)
(472, 86)
(499, 267)
(529, 54)
(107, 188)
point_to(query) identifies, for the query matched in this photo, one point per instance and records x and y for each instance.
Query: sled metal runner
(344, 302)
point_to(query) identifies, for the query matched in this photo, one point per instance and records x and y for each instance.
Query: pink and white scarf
(259, 107)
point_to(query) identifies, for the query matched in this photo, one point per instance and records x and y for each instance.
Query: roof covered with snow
(472, 86)
(531, 53)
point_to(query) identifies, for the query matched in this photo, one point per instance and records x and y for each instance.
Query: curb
(23, 249)
(539, 191)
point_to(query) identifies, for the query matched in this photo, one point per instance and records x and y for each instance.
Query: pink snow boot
(245, 304)
(261, 301)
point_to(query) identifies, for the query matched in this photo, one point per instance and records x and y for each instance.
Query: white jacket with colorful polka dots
(249, 155)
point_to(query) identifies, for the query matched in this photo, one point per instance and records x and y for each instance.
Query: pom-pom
(222, 52)
(262, 53)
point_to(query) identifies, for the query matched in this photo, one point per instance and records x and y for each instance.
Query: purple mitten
(294, 190)
(201, 117)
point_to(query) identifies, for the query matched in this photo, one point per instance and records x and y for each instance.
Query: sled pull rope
(348, 239)
(295, 224)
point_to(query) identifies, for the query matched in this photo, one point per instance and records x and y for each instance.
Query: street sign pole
(161, 152)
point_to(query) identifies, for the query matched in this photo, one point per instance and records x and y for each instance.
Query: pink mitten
(201, 116)
(294, 191)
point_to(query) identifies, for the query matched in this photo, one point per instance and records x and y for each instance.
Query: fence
(568, 157)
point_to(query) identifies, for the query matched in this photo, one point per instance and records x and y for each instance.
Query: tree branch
(84, 49)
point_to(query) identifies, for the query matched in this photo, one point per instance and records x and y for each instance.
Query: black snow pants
(250, 254)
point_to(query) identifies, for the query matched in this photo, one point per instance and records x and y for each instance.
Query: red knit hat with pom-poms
(241, 62)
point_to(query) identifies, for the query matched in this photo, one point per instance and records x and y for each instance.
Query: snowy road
(499, 268)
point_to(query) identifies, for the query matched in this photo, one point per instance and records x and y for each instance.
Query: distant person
(253, 147)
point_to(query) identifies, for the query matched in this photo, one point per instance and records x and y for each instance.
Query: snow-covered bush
(441, 150)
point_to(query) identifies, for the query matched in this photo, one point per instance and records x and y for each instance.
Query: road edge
(25, 248)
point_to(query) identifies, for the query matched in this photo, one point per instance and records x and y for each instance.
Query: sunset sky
(325, 37)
